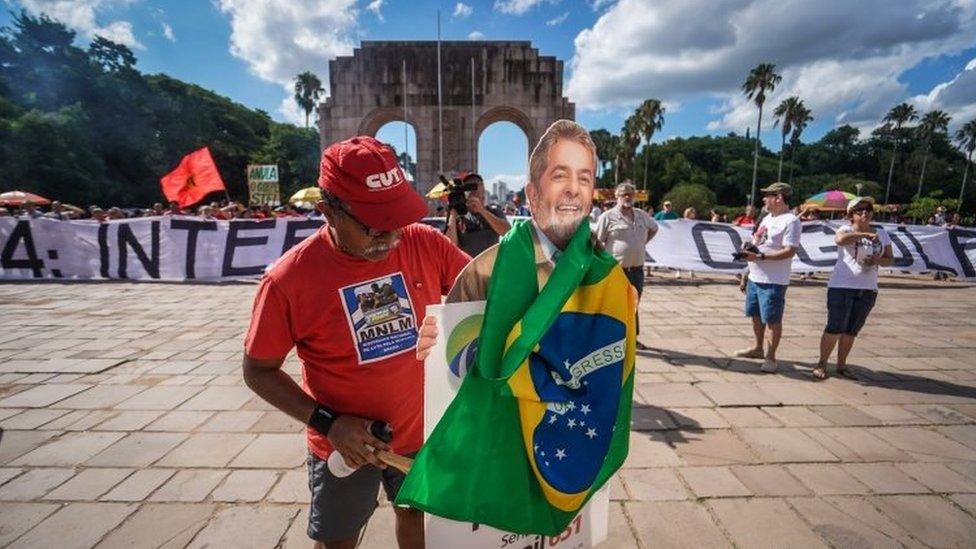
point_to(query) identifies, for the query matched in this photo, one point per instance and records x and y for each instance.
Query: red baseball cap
(366, 176)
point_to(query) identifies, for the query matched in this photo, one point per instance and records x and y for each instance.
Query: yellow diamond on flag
(439, 191)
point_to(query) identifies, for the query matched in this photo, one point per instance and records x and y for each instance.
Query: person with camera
(624, 231)
(473, 225)
(770, 254)
(853, 286)
(348, 299)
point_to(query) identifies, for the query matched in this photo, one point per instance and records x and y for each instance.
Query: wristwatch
(322, 419)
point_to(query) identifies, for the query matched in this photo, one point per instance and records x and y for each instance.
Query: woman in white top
(853, 286)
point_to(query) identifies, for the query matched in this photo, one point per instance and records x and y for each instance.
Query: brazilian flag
(542, 419)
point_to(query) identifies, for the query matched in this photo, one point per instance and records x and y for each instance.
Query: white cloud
(81, 16)
(843, 58)
(518, 7)
(559, 20)
(375, 6)
(599, 4)
(476, 35)
(279, 40)
(462, 10)
(957, 97)
(168, 32)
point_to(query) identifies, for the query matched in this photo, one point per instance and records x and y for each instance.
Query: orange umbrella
(17, 198)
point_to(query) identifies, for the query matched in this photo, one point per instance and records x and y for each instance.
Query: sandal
(820, 373)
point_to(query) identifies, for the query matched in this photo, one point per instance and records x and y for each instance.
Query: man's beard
(380, 250)
(560, 226)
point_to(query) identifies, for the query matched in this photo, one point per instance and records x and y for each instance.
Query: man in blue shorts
(777, 240)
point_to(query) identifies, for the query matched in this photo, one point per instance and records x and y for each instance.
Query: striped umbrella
(828, 201)
(17, 198)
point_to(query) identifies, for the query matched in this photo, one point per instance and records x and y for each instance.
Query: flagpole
(405, 138)
(474, 144)
(440, 102)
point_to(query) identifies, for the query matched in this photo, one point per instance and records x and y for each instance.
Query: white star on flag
(571, 423)
(560, 453)
(567, 364)
(571, 405)
(552, 419)
(591, 432)
(585, 409)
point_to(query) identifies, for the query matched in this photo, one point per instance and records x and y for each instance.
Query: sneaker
(769, 366)
(750, 353)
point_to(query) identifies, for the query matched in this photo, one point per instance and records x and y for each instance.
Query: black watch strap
(322, 419)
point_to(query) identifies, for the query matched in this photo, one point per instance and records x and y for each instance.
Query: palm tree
(308, 88)
(784, 114)
(934, 122)
(966, 136)
(761, 79)
(603, 140)
(649, 118)
(801, 117)
(629, 139)
(898, 116)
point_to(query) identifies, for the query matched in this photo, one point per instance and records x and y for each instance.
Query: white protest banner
(708, 247)
(189, 248)
(153, 248)
(458, 322)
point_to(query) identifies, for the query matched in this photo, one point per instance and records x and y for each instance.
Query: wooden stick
(398, 462)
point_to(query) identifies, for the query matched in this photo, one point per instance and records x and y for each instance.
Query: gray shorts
(342, 506)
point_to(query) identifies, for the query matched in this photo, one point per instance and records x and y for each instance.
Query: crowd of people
(216, 210)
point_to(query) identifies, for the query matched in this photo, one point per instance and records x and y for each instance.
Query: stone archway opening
(503, 158)
(402, 136)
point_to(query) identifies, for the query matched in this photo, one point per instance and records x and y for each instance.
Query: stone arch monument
(482, 83)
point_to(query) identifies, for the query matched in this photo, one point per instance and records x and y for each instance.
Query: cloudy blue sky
(849, 60)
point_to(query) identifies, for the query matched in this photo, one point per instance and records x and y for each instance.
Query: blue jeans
(767, 301)
(848, 309)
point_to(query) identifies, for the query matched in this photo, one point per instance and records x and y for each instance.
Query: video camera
(746, 247)
(457, 200)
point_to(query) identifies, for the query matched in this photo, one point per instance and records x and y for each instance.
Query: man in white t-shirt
(776, 240)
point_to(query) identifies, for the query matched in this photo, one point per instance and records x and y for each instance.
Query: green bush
(692, 195)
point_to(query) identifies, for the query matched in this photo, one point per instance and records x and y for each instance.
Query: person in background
(853, 286)
(482, 225)
(666, 212)
(690, 213)
(715, 217)
(747, 219)
(624, 231)
(29, 211)
(206, 213)
(4, 212)
(115, 213)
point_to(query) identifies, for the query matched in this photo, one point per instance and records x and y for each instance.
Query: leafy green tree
(692, 195)
(966, 137)
(894, 123)
(761, 80)
(649, 118)
(933, 123)
(801, 117)
(606, 144)
(308, 88)
(785, 113)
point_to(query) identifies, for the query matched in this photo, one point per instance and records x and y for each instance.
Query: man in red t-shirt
(348, 299)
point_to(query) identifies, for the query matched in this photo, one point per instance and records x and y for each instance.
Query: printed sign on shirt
(380, 317)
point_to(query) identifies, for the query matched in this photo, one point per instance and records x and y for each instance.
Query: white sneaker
(769, 366)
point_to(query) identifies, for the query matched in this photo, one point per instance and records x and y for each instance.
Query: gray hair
(625, 188)
(560, 129)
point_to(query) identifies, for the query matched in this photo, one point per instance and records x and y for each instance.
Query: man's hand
(348, 435)
(427, 337)
(476, 205)
(750, 256)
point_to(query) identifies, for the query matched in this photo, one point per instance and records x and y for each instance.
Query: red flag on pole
(193, 179)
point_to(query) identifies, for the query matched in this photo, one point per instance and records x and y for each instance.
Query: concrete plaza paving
(126, 424)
